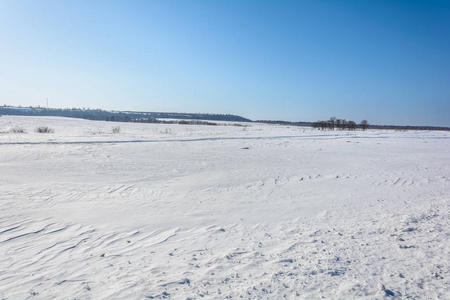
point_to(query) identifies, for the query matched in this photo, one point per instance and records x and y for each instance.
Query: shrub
(96, 132)
(116, 129)
(17, 129)
(44, 129)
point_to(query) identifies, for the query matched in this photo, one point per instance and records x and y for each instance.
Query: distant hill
(120, 116)
(152, 117)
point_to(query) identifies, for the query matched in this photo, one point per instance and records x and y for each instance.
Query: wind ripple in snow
(39, 254)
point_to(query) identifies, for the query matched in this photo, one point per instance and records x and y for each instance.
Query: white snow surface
(214, 212)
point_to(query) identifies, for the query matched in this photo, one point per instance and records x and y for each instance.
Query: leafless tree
(341, 124)
(364, 125)
(351, 125)
(332, 123)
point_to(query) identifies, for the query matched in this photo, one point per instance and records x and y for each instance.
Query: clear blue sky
(384, 61)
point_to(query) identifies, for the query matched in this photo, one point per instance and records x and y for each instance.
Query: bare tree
(364, 125)
(341, 124)
(344, 124)
(332, 122)
(351, 125)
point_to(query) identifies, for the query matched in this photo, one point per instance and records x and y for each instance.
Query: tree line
(115, 116)
(341, 124)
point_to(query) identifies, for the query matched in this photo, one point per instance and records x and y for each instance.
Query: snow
(189, 212)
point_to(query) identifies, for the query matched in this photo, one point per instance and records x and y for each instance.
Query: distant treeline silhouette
(115, 116)
(181, 122)
(341, 124)
(334, 123)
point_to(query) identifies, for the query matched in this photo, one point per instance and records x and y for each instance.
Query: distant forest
(114, 116)
(154, 117)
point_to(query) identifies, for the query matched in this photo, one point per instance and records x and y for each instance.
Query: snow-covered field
(214, 212)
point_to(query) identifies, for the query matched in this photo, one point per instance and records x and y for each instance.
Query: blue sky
(384, 61)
